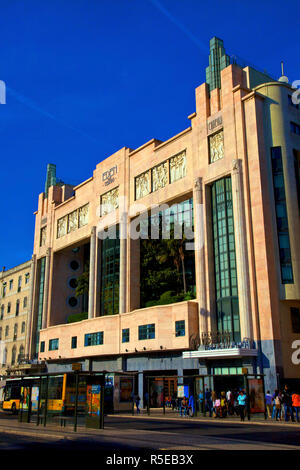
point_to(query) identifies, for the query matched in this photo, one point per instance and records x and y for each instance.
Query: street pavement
(139, 433)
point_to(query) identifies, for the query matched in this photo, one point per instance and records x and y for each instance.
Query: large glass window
(147, 331)
(225, 260)
(93, 339)
(281, 217)
(110, 266)
(40, 300)
(53, 344)
(180, 328)
(125, 335)
(167, 258)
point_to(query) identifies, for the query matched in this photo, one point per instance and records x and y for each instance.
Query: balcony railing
(223, 340)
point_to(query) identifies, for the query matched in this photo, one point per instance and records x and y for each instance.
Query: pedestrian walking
(214, 397)
(230, 402)
(191, 406)
(296, 405)
(277, 402)
(208, 402)
(184, 407)
(137, 404)
(223, 405)
(242, 400)
(269, 405)
(287, 403)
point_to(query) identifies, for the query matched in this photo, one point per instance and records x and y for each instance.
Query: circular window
(74, 265)
(72, 301)
(73, 283)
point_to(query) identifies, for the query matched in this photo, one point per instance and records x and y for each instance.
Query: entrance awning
(220, 353)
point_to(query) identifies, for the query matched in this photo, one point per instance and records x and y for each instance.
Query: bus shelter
(71, 398)
(165, 393)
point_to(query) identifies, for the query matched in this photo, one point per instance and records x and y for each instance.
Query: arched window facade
(13, 355)
(21, 353)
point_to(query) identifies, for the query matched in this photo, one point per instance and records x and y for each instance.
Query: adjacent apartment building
(222, 296)
(15, 286)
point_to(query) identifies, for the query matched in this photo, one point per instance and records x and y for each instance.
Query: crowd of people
(232, 402)
(283, 404)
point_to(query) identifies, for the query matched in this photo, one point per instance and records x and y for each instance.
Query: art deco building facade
(15, 287)
(233, 177)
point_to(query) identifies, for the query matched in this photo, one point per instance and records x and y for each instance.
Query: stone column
(123, 262)
(241, 249)
(92, 273)
(199, 254)
(30, 306)
(46, 288)
(141, 388)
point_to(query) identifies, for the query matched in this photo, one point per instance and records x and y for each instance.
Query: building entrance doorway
(223, 383)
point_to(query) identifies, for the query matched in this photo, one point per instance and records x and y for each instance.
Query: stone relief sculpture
(142, 185)
(83, 215)
(73, 221)
(159, 176)
(43, 236)
(62, 226)
(177, 167)
(109, 201)
(216, 147)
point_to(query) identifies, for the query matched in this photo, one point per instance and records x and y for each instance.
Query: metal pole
(46, 401)
(102, 404)
(133, 391)
(264, 392)
(148, 401)
(21, 402)
(203, 398)
(195, 402)
(29, 405)
(248, 398)
(164, 398)
(39, 402)
(76, 400)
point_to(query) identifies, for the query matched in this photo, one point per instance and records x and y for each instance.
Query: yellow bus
(60, 394)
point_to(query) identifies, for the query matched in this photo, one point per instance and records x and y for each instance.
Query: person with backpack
(269, 405)
(277, 402)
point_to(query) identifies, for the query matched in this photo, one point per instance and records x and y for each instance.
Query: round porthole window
(73, 283)
(74, 265)
(72, 301)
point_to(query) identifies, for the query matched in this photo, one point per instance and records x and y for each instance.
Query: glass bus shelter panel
(25, 403)
(199, 396)
(123, 393)
(70, 396)
(52, 404)
(94, 416)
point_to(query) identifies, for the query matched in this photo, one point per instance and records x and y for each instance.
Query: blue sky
(87, 77)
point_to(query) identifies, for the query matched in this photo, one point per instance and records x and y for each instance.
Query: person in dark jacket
(287, 403)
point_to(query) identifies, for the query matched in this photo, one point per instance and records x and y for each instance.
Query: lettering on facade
(214, 124)
(108, 176)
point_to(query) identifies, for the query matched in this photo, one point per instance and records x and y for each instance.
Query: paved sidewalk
(158, 433)
(229, 419)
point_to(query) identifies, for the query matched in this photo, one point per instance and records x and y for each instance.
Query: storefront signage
(108, 176)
